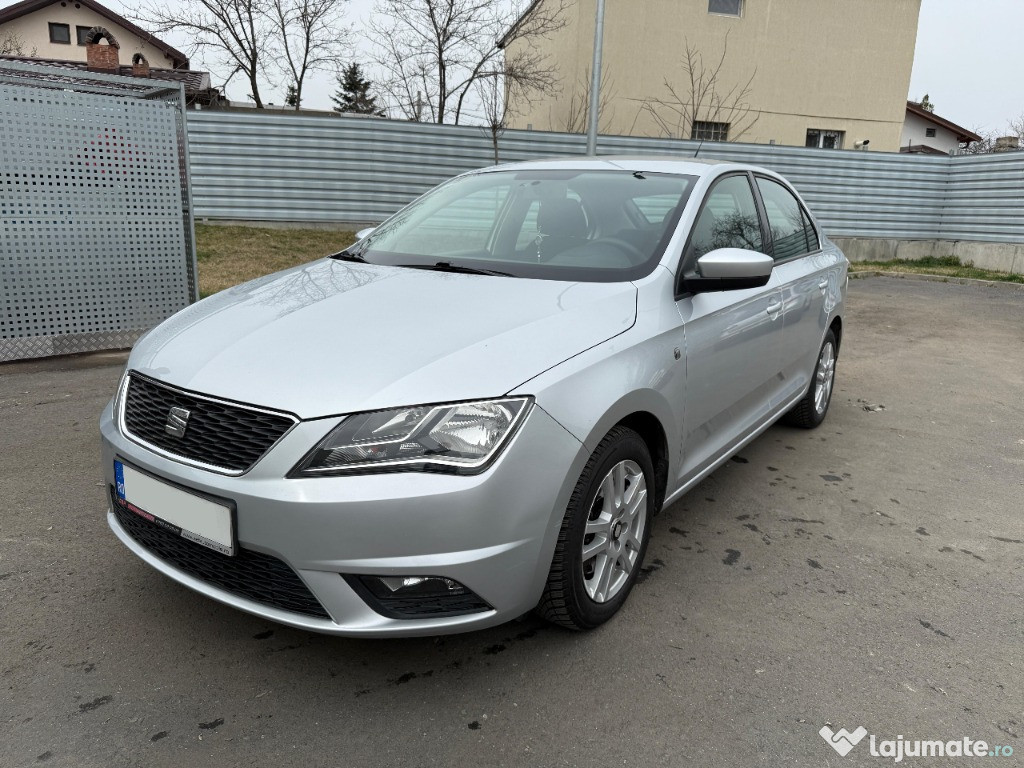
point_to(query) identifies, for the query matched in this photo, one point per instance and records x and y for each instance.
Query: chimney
(1007, 144)
(140, 67)
(100, 57)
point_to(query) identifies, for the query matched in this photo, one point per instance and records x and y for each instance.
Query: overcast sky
(969, 60)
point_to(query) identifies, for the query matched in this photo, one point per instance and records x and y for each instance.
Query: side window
(462, 225)
(792, 232)
(529, 231)
(728, 220)
(654, 208)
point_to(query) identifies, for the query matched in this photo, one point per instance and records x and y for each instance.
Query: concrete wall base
(999, 257)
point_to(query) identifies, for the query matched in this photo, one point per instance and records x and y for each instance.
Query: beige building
(55, 30)
(824, 73)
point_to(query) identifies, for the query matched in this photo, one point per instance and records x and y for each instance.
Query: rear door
(732, 338)
(802, 276)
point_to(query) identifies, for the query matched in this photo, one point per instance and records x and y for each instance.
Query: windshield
(599, 226)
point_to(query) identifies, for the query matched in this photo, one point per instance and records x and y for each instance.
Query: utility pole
(595, 81)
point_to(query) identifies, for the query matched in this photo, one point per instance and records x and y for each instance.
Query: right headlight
(461, 437)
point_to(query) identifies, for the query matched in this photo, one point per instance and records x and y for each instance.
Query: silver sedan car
(475, 410)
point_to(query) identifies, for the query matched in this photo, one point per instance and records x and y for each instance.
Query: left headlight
(461, 437)
(122, 385)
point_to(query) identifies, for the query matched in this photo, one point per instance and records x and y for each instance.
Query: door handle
(823, 285)
(774, 307)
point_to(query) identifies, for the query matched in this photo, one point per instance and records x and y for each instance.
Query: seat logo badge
(177, 422)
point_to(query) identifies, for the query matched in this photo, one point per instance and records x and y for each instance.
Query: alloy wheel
(614, 531)
(824, 376)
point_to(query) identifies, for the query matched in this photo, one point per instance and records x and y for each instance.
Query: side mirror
(364, 232)
(729, 269)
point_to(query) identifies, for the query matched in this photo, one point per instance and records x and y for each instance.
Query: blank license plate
(190, 516)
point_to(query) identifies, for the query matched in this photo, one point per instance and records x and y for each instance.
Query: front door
(732, 338)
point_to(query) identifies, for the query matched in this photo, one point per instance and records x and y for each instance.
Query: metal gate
(95, 216)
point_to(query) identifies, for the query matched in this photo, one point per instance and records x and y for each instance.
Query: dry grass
(950, 266)
(231, 255)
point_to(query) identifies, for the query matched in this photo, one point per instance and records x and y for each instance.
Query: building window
(824, 139)
(83, 33)
(929, 132)
(60, 33)
(726, 7)
(705, 131)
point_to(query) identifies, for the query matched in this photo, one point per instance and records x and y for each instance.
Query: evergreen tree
(291, 98)
(353, 94)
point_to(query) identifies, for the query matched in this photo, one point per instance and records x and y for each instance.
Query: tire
(580, 593)
(811, 411)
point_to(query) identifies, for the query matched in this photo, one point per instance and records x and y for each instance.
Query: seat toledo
(476, 409)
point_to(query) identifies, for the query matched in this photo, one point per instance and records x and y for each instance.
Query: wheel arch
(652, 432)
(648, 414)
(837, 329)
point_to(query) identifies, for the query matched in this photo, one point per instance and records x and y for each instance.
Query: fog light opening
(422, 586)
(416, 597)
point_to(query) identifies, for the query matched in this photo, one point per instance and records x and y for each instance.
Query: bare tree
(702, 95)
(12, 45)
(989, 138)
(311, 36)
(432, 53)
(982, 147)
(1016, 128)
(237, 34)
(577, 114)
(495, 109)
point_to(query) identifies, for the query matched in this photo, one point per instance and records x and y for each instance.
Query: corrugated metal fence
(267, 167)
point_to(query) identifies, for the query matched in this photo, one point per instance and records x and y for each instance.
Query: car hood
(338, 337)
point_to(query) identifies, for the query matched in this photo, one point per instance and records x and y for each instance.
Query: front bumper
(494, 532)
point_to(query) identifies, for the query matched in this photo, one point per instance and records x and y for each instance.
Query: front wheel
(810, 411)
(604, 534)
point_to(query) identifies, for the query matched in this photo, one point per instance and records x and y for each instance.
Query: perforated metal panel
(96, 230)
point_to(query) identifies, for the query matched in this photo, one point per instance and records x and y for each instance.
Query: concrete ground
(869, 573)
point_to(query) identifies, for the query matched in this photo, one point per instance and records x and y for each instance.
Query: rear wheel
(604, 534)
(810, 411)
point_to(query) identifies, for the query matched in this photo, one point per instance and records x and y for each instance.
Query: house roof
(920, 149)
(196, 83)
(25, 7)
(962, 134)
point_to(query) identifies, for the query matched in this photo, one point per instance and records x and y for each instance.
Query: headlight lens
(462, 437)
(122, 385)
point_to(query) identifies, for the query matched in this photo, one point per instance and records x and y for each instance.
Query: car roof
(650, 163)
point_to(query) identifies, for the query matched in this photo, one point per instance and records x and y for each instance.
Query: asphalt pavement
(869, 573)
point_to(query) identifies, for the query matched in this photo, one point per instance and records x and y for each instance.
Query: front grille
(253, 575)
(230, 437)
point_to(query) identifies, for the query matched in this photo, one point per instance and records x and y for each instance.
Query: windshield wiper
(447, 266)
(347, 255)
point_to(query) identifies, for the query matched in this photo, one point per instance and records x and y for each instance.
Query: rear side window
(728, 220)
(791, 228)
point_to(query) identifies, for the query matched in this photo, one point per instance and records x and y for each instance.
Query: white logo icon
(842, 741)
